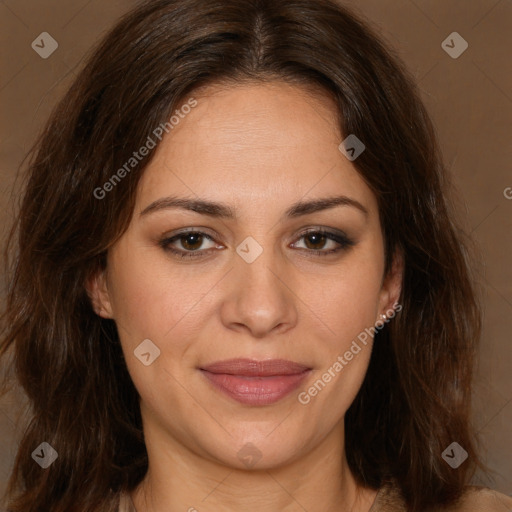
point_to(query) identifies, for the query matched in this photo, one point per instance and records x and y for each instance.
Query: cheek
(350, 302)
(151, 303)
(151, 297)
(168, 304)
(350, 311)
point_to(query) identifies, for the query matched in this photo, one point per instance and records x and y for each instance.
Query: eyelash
(343, 240)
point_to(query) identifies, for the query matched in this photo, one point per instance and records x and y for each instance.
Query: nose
(260, 299)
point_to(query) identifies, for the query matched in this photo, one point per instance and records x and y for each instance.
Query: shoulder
(474, 499)
(482, 499)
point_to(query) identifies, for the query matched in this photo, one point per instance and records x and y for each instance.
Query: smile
(253, 382)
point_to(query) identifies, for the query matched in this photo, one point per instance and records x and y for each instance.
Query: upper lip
(252, 367)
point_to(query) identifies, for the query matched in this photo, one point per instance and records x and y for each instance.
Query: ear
(392, 286)
(97, 290)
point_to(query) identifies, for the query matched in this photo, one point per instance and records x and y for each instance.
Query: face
(260, 278)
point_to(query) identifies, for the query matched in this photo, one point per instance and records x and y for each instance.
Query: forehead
(267, 141)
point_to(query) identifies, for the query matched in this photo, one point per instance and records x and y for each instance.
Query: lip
(253, 382)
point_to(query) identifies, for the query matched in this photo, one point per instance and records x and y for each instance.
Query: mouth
(252, 382)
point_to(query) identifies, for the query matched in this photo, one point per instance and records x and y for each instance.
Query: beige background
(469, 98)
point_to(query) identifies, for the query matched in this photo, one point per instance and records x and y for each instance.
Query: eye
(190, 241)
(316, 240)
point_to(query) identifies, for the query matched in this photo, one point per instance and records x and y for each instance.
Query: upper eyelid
(302, 234)
(186, 231)
(176, 236)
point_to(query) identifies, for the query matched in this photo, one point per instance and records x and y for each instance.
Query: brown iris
(195, 238)
(317, 238)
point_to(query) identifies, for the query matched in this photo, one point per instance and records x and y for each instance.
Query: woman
(237, 282)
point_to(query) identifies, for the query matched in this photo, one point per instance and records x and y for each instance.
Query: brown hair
(415, 400)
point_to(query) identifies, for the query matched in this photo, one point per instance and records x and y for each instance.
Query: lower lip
(256, 390)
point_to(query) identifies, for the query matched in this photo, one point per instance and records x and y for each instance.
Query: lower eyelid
(343, 242)
(166, 243)
(338, 244)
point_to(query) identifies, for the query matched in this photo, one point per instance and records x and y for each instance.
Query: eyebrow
(223, 211)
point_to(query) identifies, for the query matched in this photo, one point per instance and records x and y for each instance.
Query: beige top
(476, 499)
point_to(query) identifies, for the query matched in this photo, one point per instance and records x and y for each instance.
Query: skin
(259, 148)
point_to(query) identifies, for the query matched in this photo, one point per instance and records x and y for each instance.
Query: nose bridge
(261, 300)
(256, 265)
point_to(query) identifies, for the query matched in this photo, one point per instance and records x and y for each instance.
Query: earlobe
(392, 286)
(97, 290)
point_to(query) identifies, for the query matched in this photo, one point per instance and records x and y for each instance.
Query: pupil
(192, 236)
(315, 236)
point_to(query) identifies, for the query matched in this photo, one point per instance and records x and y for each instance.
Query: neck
(178, 479)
